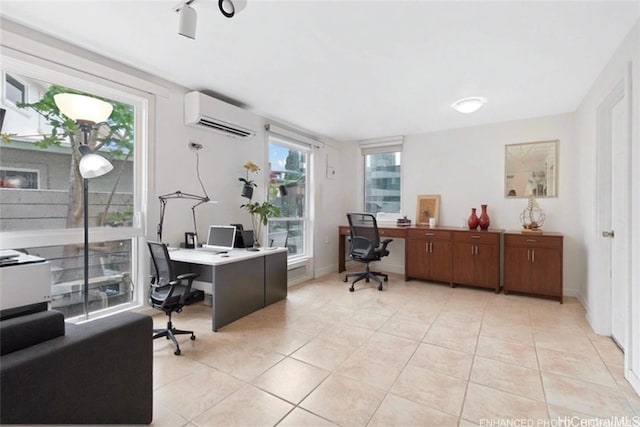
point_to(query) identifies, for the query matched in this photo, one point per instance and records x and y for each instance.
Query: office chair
(366, 247)
(166, 291)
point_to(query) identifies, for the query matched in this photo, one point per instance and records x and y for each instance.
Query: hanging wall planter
(247, 191)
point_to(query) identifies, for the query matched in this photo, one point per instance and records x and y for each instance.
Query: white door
(620, 158)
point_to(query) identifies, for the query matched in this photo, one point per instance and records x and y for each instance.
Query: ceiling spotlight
(188, 19)
(469, 105)
(230, 7)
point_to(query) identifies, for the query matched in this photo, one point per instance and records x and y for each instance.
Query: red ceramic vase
(473, 220)
(484, 219)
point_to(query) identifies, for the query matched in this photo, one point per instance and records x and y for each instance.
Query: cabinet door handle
(528, 254)
(429, 234)
(474, 237)
(531, 240)
(430, 247)
(426, 247)
(477, 249)
(472, 249)
(533, 256)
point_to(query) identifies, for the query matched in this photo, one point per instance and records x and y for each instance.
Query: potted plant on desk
(260, 214)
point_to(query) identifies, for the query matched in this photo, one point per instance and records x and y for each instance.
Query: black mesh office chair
(166, 291)
(366, 247)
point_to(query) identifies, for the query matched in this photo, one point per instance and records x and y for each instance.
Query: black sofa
(100, 372)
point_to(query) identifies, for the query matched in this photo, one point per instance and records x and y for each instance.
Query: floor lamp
(86, 112)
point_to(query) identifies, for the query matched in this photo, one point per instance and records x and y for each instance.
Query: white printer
(25, 283)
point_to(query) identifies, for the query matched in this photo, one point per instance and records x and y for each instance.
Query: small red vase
(484, 219)
(473, 220)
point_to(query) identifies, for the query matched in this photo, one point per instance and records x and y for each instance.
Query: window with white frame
(45, 141)
(15, 90)
(19, 178)
(382, 166)
(289, 184)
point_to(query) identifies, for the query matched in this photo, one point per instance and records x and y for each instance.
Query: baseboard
(634, 380)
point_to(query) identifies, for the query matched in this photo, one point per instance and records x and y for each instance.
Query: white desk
(242, 281)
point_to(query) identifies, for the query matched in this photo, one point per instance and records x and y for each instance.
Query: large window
(41, 191)
(382, 179)
(288, 189)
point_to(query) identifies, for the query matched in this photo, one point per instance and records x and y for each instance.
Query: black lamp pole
(85, 184)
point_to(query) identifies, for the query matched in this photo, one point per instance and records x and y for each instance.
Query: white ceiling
(359, 69)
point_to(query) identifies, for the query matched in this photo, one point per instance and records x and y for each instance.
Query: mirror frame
(548, 150)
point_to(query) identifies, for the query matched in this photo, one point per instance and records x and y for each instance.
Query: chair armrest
(384, 243)
(187, 276)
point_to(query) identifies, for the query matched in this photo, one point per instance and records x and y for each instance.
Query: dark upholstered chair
(98, 372)
(167, 293)
(366, 247)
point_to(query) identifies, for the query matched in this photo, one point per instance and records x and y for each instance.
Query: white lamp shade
(93, 165)
(82, 107)
(188, 21)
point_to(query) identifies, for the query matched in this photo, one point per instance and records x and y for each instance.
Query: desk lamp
(86, 111)
(182, 195)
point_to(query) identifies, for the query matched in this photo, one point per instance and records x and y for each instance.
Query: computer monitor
(220, 238)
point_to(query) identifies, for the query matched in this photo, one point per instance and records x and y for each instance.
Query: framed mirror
(531, 169)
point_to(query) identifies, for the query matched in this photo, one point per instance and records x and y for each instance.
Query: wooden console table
(443, 254)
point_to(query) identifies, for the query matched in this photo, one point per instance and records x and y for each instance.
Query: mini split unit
(204, 111)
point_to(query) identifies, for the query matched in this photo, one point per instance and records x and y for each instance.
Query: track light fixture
(230, 7)
(189, 17)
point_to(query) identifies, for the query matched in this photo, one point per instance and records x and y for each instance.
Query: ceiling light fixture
(230, 7)
(188, 19)
(469, 105)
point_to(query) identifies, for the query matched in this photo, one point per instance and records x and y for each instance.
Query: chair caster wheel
(380, 287)
(193, 337)
(345, 280)
(386, 279)
(351, 289)
(367, 280)
(177, 352)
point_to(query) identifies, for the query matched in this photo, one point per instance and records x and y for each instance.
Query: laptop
(220, 238)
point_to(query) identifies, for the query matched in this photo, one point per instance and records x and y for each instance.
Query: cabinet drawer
(416, 233)
(392, 232)
(529, 240)
(477, 237)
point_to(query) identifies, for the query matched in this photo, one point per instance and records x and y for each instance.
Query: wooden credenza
(533, 264)
(443, 254)
(428, 254)
(476, 258)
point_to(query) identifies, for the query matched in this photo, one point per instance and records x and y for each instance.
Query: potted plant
(247, 188)
(260, 214)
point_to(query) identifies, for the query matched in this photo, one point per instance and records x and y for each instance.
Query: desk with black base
(242, 281)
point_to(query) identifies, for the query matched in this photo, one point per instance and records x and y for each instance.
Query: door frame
(603, 218)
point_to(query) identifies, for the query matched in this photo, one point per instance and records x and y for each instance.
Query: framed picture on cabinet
(428, 207)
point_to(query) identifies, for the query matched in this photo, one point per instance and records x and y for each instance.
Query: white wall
(594, 294)
(221, 160)
(466, 168)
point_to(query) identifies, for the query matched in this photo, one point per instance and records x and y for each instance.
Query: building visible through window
(382, 179)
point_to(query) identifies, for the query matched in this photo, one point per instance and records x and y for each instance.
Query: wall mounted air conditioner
(210, 113)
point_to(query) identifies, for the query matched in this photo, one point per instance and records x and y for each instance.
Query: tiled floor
(417, 354)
